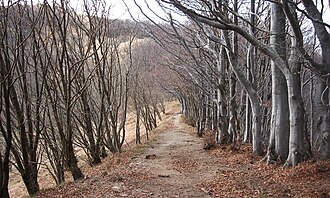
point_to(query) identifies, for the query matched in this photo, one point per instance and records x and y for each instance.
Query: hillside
(18, 189)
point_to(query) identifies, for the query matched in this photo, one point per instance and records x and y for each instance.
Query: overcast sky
(119, 10)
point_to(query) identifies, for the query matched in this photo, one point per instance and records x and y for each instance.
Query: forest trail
(172, 164)
(176, 163)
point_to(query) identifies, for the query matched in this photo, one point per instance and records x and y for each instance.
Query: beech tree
(279, 135)
(291, 144)
(321, 92)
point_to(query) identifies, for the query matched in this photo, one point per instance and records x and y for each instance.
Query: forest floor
(173, 163)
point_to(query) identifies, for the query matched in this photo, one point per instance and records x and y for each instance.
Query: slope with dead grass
(16, 184)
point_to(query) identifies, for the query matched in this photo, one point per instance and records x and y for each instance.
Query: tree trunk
(247, 131)
(279, 137)
(232, 109)
(4, 175)
(202, 116)
(30, 178)
(232, 85)
(94, 150)
(322, 93)
(137, 126)
(222, 104)
(249, 71)
(322, 115)
(256, 126)
(256, 106)
(72, 161)
(297, 149)
(223, 118)
(4, 157)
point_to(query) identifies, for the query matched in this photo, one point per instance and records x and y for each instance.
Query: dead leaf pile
(241, 174)
(186, 164)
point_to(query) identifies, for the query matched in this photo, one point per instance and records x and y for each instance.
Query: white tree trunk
(297, 149)
(279, 137)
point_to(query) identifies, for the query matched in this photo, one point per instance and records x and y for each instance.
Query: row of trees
(67, 82)
(254, 72)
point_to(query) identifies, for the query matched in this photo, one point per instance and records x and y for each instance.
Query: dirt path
(176, 163)
(171, 165)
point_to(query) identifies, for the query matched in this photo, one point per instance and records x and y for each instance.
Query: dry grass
(17, 187)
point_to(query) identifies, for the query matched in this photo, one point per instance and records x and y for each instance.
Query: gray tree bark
(222, 105)
(322, 93)
(232, 85)
(279, 137)
(297, 147)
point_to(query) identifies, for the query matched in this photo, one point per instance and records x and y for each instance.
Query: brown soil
(173, 164)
